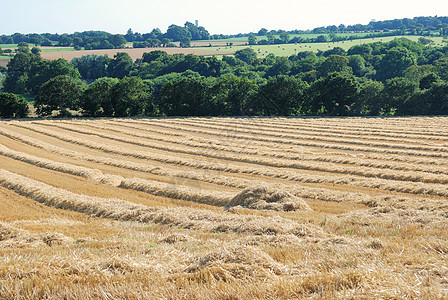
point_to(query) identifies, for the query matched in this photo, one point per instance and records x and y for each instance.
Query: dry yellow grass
(261, 208)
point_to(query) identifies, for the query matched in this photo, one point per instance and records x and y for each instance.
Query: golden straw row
(279, 149)
(314, 137)
(118, 209)
(381, 184)
(304, 132)
(414, 176)
(259, 150)
(236, 182)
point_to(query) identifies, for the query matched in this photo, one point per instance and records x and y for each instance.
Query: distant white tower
(196, 22)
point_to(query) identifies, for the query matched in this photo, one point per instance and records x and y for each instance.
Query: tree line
(104, 40)
(175, 33)
(417, 25)
(400, 77)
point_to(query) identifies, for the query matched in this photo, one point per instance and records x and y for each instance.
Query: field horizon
(218, 48)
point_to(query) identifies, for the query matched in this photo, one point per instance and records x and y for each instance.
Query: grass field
(4, 46)
(224, 208)
(304, 35)
(219, 48)
(290, 49)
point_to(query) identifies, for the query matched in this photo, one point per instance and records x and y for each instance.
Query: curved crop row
(310, 133)
(315, 137)
(306, 144)
(126, 211)
(382, 184)
(283, 150)
(414, 176)
(257, 150)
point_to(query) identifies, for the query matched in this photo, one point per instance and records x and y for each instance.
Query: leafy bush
(13, 106)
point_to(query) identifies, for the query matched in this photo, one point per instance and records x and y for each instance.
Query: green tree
(333, 95)
(425, 41)
(131, 97)
(188, 96)
(92, 66)
(165, 42)
(304, 62)
(177, 33)
(369, 98)
(441, 66)
(233, 94)
(35, 39)
(365, 50)
(117, 40)
(48, 70)
(185, 42)
(78, 42)
(36, 51)
(281, 95)
(13, 106)
(416, 72)
(20, 68)
(247, 55)
(156, 55)
(46, 42)
(154, 42)
(271, 38)
(428, 80)
(334, 63)
(23, 47)
(64, 40)
(97, 98)
(358, 65)
(281, 66)
(252, 39)
(397, 93)
(335, 51)
(130, 37)
(59, 93)
(284, 37)
(262, 32)
(395, 62)
(433, 101)
(121, 65)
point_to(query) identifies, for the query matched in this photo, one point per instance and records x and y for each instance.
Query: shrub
(12, 106)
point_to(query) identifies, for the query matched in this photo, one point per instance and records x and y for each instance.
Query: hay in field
(235, 262)
(263, 198)
(15, 237)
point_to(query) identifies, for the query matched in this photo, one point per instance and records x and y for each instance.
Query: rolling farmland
(224, 208)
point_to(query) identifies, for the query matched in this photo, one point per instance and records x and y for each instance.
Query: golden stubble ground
(224, 208)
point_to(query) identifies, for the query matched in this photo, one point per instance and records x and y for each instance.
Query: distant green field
(4, 57)
(58, 49)
(279, 50)
(290, 49)
(8, 46)
(303, 35)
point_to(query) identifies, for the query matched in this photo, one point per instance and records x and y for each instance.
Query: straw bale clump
(118, 209)
(15, 237)
(264, 198)
(236, 262)
(177, 238)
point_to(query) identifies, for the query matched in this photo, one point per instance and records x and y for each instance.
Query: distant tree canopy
(400, 77)
(13, 106)
(59, 93)
(27, 72)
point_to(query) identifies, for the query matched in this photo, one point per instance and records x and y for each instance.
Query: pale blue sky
(228, 16)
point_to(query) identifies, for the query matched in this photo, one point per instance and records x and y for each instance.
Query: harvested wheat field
(134, 53)
(224, 208)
